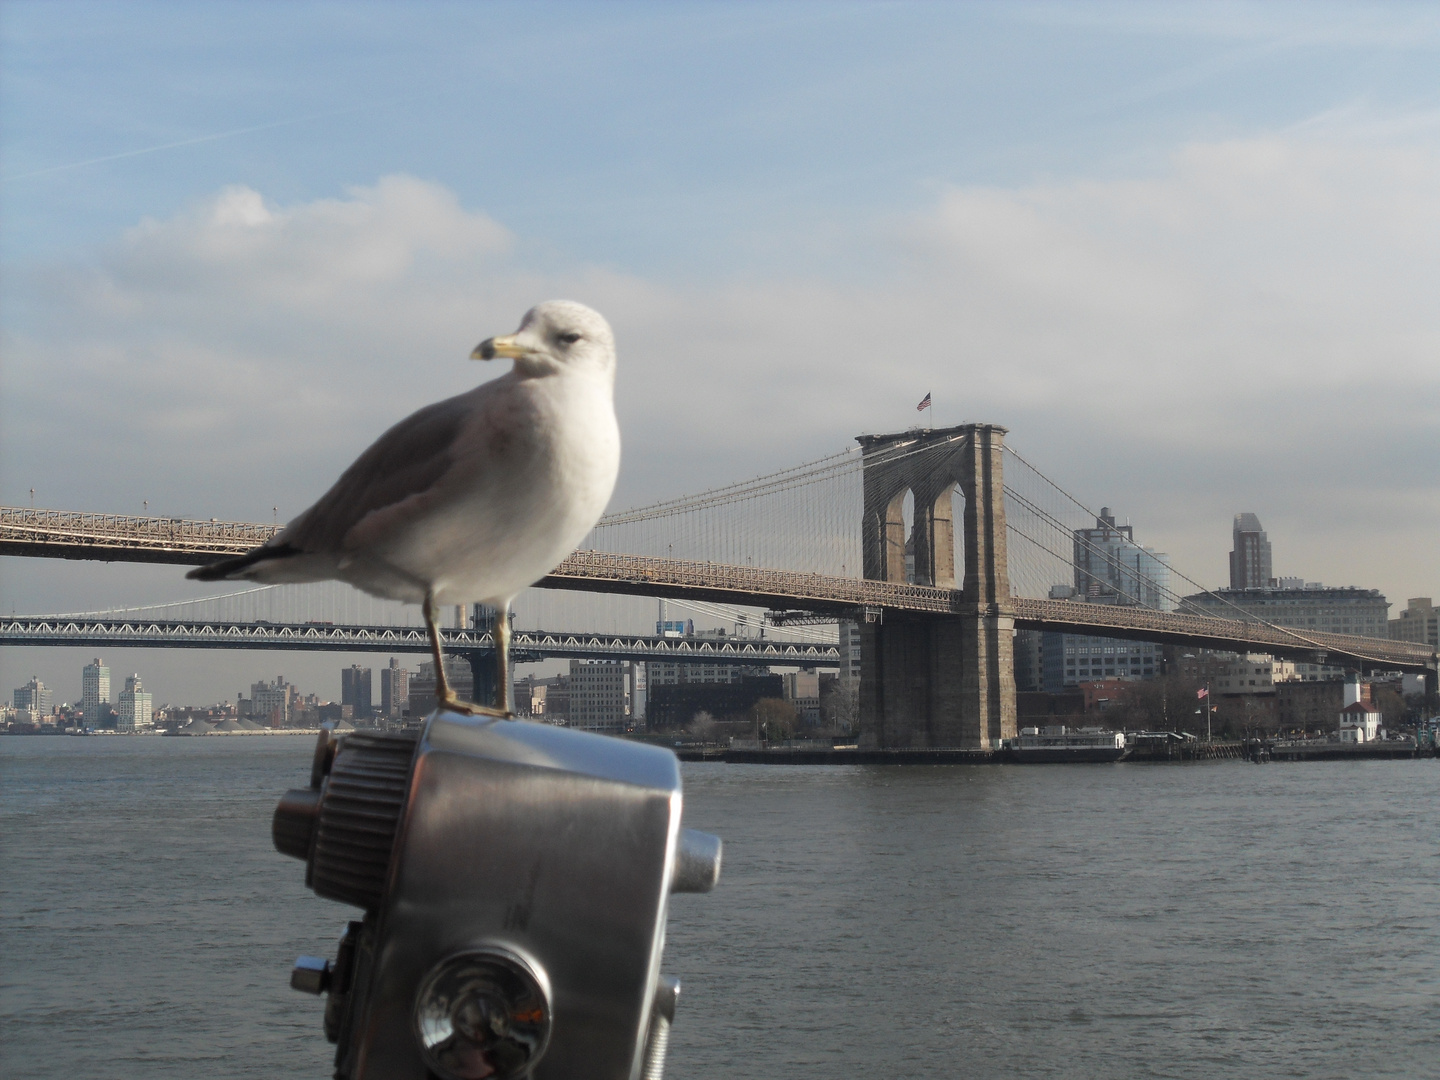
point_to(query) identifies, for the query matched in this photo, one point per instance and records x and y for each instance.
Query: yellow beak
(490, 348)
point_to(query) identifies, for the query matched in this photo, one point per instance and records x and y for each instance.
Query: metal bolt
(310, 974)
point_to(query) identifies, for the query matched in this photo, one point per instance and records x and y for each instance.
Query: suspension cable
(1246, 616)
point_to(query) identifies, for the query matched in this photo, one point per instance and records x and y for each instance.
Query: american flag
(1203, 693)
(924, 403)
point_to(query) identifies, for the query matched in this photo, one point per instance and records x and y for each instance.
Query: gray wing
(404, 462)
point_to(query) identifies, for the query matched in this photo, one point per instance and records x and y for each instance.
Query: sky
(1189, 255)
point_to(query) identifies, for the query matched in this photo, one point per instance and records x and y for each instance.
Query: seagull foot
(451, 703)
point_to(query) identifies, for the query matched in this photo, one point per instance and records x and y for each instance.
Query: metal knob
(697, 862)
(344, 824)
(310, 974)
(293, 827)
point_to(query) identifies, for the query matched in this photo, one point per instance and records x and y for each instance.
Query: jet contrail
(172, 145)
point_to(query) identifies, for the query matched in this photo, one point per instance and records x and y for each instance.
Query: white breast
(532, 474)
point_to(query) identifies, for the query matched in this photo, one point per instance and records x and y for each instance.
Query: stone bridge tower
(944, 680)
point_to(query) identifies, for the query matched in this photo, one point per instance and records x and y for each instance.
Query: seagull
(471, 499)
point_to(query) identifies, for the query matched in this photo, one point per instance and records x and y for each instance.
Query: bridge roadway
(526, 645)
(120, 538)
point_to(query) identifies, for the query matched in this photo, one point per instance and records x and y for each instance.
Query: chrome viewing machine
(515, 879)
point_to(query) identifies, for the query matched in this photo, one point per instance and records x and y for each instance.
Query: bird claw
(451, 703)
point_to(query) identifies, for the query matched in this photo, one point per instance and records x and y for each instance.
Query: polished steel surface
(550, 845)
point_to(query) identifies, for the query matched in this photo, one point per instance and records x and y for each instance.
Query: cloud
(1251, 328)
(237, 336)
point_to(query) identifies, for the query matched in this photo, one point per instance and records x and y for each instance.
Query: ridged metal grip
(364, 798)
(293, 827)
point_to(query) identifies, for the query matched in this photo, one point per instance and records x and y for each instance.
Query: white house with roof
(1359, 722)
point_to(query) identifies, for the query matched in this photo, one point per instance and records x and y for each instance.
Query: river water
(1199, 920)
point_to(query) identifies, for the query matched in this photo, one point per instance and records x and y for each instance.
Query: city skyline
(1206, 233)
(223, 667)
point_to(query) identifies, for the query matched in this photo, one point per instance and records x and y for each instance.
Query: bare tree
(774, 719)
(702, 725)
(840, 707)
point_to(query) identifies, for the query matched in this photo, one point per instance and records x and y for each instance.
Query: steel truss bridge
(526, 645)
(122, 538)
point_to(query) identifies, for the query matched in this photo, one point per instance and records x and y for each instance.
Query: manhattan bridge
(939, 543)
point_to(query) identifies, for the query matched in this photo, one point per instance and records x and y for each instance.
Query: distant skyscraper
(134, 706)
(1420, 621)
(271, 704)
(597, 695)
(394, 689)
(35, 696)
(850, 653)
(355, 690)
(1250, 561)
(94, 691)
(1111, 568)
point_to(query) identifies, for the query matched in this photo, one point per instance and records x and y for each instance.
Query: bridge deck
(118, 538)
(326, 637)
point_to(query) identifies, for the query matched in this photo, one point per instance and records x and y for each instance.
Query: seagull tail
(251, 566)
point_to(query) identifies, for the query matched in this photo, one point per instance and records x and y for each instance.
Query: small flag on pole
(1202, 693)
(924, 403)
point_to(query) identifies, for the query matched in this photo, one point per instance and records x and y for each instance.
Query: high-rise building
(94, 691)
(135, 706)
(355, 690)
(1344, 610)
(1250, 559)
(394, 690)
(34, 696)
(1420, 621)
(597, 695)
(1110, 568)
(1067, 660)
(849, 653)
(639, 693)
(272, 704)
(422, 684)
(802, 690)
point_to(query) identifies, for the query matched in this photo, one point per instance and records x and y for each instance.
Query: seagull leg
(445, 697)
(502, 661)
(443, 693)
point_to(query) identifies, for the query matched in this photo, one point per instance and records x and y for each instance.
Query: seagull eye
(568, 338)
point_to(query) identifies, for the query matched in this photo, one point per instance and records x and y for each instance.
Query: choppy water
(1066, 921)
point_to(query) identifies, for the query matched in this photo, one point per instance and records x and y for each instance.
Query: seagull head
(556, 336)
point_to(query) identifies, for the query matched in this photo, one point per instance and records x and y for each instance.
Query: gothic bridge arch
(938, 680)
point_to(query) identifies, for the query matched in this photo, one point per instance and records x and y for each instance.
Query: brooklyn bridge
(920, 537)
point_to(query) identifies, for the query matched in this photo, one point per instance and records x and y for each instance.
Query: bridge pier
(949, 680)
(482, 675)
